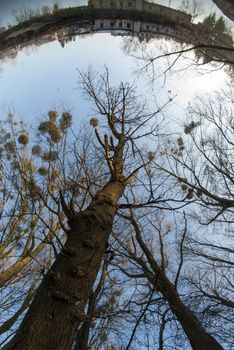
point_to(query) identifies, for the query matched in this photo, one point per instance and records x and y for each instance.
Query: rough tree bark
(56, 312)
(227, 7)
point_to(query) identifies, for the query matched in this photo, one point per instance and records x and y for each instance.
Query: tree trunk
(227, 7)
(197, 335)
(82, 339)
(57, 309)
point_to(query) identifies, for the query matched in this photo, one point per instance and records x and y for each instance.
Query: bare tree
(202, 159)
(194, 8)
(57, 309)
(143, 260)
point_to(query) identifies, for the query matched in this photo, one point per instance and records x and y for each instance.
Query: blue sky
(44, 78)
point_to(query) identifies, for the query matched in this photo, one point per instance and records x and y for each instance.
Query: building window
(147, 27)
(101, 25)
(120, 24)
(129, 4)
(112, 24)
(128, 25)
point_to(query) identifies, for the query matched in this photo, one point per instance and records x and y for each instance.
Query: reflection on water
(144, 34)
(141, 19)
(11, 9)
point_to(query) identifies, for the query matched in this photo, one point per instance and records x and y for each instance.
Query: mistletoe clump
(94, 122)
(42, 171)
(36, 150)
(23, 139)
(190, 127)
(65, 121)
(52, 116)
(53, 129)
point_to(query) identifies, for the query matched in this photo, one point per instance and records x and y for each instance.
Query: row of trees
(117, 228)
(25, 13)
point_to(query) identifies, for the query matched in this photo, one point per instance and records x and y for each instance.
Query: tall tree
(57, 309)
(143, 260)
(22, 238)
(227, 7)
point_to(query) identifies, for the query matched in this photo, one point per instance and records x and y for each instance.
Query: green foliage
(94, 122)
(180, 141)
(27, 165)
(36, 150)
(151, 155)
(190, 193)
(54, 174)
(217, 26)
(220, 25)
(23, 139)
(215, 32)
(209, 21)
(50, 156)
(42, 171)
(52, 116)
(190, 127)
(55, 134)
(53, 129)
(44, 127)
(181, 145)
(10, 146)
(184, 188)
(50, 128)
(65, 121)
(199, 192)
(55, 8)
(15, 165)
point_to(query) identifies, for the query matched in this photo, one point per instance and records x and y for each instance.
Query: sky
(44, 78)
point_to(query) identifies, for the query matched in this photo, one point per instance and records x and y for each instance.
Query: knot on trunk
(88, 243)
(70, 252)
(81, 271)
(55, 275)
(61, 296)
(64, 297)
